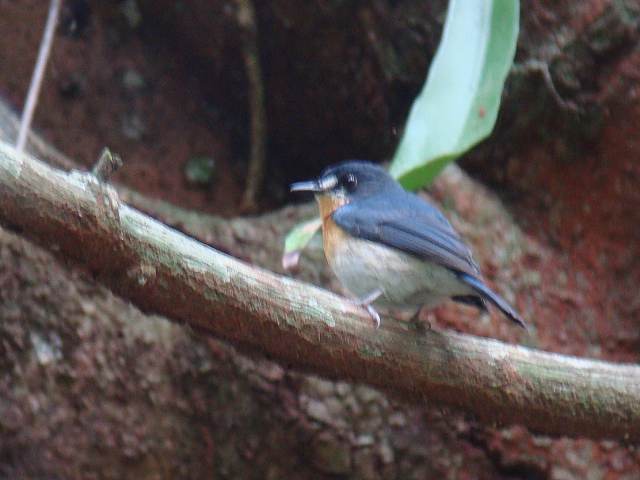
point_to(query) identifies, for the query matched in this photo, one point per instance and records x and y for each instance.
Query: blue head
(349, 180)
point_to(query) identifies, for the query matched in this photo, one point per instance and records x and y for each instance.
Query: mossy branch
(166, 272)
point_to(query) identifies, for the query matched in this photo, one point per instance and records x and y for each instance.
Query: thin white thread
(38, 74)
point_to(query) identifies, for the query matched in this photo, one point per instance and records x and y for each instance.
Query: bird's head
(345, 182)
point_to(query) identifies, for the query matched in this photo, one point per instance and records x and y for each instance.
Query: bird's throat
(329, 204)
(332, 235)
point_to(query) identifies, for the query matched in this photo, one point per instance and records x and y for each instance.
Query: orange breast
(332, 234)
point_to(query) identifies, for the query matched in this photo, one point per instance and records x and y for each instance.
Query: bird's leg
(419, 325)
(366, 302)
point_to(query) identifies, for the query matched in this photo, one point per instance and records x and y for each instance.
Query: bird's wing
(408, 223)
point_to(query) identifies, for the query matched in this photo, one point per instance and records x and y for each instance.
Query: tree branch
(163, 271)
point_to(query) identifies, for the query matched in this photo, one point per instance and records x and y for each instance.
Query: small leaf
(200, 170)
(296, 240)
(290, 259)
(459, 102)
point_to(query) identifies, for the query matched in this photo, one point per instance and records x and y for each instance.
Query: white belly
(364, 267)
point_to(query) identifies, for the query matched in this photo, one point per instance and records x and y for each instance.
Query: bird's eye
(350, 181)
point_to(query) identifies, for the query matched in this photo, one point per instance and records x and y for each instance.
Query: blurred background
(92, 388)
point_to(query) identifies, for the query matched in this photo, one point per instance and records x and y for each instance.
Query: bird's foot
(375, 316)
(418, 324)
(366, 302)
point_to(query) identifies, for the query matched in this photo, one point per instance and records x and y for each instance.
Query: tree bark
(165, 272)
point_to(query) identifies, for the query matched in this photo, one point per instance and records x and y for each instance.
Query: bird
(391, 248)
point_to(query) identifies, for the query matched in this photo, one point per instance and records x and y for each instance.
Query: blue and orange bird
(391, 248)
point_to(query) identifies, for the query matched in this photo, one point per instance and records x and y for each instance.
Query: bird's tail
(488, 294)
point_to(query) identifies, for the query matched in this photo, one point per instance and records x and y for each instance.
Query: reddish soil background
(571, 180)
(157, 122)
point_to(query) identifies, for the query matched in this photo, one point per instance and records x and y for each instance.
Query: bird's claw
(375, 316)
(366, 302)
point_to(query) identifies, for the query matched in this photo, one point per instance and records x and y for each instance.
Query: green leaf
(296, 240)
(200, 170)
(459, 102)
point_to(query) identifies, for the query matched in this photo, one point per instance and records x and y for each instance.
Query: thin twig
(542, 67)
(255, 174)
(106, 165)
(38, 74)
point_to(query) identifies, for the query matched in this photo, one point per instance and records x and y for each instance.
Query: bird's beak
(309, 186)
(319, 185)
